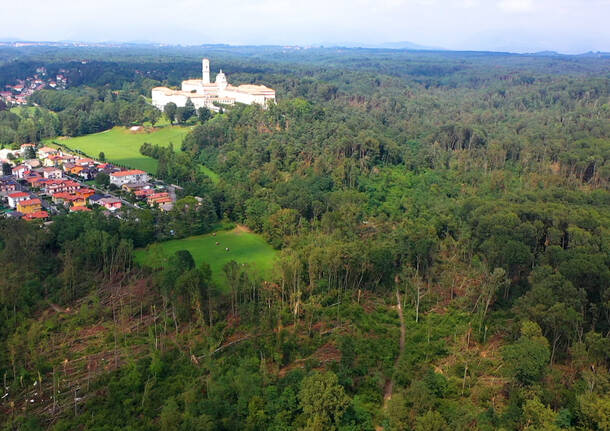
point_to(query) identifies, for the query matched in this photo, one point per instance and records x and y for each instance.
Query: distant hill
(388, 45)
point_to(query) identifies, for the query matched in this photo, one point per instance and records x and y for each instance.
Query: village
(47, 181)
(18, 93)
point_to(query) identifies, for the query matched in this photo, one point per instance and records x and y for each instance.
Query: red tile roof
(160, 200)
(79, 208)
(18, 195)
(61, 195)
(126, 173)
(30, 202)
(36, 215)
(159, 195)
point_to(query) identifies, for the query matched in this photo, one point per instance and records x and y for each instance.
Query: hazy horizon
(565, 26)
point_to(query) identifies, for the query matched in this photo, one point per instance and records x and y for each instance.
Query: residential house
(29, 206)
(23, 149)
(34, 179)
(88, 173)
(75, 170)
(74, 209)
(68, 158)
(85, 161)
(55, 186)
(76, 201)
(95, 199)
(38, 215)
(133, 187)
(141, 194)
(158, 198)
(7, 184)
(52, 173)
(85, 192)
(111, 204)
(45, 152)
(54, 159)
(107, 168)
(15, 198)
(59, 197)
(50, 161)
(32, 163)
(18, 171)
(129, 176)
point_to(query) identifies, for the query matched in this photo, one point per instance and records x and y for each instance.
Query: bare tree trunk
(464, 379)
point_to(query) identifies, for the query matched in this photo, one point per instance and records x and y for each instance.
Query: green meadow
(122, 146)
(244, 247)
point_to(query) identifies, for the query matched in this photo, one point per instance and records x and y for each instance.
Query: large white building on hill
(202, 92)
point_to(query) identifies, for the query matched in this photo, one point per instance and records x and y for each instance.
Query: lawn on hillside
(244, 247)
(122, 146)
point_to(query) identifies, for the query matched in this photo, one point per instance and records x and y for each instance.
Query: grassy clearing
(244, 247)
(29, 110)
(122, 146)
(211, 174)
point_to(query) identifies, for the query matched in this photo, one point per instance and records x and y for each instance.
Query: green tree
(431, 421)
(102, 156)
(170, 111)
(102, 179)
(170, 416)
(323, 401)
(538, 417)
(595, 411)
(189, 109)
(527, 359)
(257, 418)
(203, 114)
(398, 412)
(30, 153)
(153, 115)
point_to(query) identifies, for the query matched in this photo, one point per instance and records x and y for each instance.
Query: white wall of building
(202, 94)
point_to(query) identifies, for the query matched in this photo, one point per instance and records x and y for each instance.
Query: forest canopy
(442, 227)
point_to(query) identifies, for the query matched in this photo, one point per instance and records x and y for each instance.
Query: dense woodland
(443, 227)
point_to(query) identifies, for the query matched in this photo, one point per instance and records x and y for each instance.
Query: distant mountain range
(385, 45)
(404, 45)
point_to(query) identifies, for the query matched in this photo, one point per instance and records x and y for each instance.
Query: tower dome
(221, 80)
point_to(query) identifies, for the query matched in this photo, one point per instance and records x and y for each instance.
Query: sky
(567, 26)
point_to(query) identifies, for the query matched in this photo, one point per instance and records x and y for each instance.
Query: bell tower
(205, 71)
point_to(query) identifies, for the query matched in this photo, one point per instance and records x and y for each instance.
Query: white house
(16, 197)
(52, 173)
(130, 176)
(45, 152)
(18, 171)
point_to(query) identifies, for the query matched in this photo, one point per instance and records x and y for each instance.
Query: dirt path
(389, 386)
